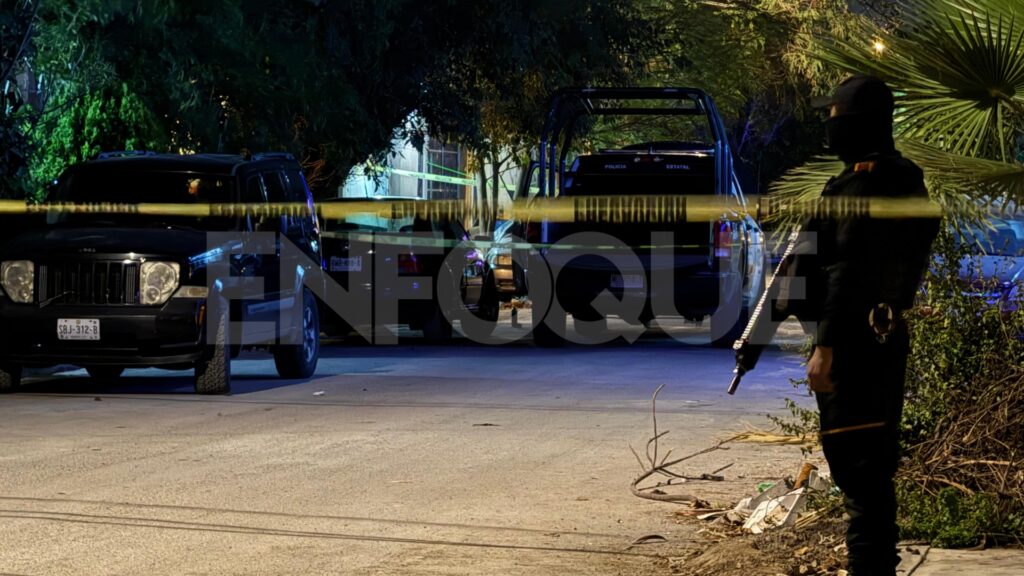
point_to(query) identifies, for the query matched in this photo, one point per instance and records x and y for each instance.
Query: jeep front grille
(89, 282)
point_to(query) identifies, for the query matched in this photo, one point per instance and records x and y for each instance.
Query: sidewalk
(925, 561)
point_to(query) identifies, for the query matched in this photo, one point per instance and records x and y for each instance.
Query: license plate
(627, 281)
(78, 329)
(353, 264)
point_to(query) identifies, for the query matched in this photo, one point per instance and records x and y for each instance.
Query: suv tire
(10, 378)
(488, 309)
(213, 371)
(299, 361)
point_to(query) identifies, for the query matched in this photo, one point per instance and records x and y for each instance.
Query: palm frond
(800, 185)
(957, 67)
(985, 182)
(966, 188)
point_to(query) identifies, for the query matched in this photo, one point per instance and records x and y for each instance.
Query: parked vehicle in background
(622, 142)
(388, 236)
(114, 291)
(994, 268)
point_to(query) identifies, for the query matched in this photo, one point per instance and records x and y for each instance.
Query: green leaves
(958, 67)
(982, 181)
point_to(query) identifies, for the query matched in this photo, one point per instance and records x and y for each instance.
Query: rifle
(760, 328)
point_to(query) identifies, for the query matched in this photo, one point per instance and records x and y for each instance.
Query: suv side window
(274, 186)
(253, 192)
(298, 191)
(277, 192)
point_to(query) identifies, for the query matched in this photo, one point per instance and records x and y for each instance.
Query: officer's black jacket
(861, 262)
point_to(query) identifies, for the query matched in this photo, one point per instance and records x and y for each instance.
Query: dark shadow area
(166, 383)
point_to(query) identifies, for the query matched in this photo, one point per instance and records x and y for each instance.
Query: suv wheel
(104, 372)
(299, 361)
(213, 371)
(488, 309)
(10, 378)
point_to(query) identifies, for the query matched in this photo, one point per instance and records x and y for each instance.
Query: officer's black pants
(860, 437)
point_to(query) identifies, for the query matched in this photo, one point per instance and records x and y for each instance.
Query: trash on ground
(773, 504)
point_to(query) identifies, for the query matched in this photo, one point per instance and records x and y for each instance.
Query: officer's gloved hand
(818, 369)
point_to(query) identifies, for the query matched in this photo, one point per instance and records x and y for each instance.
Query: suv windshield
(125, 186)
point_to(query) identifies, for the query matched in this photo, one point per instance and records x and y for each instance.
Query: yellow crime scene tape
(655, 209)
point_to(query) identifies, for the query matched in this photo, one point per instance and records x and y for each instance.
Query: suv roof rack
(122, 153)
(272, 156)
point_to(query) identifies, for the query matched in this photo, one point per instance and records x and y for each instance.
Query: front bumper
(130, 336)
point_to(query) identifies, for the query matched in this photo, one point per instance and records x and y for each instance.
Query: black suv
(157, 283)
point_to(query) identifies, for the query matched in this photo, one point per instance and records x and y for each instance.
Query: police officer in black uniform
(866, 273)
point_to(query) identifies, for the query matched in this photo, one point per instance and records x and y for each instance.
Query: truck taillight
(533, 232)
(723, 239)
(407, 265)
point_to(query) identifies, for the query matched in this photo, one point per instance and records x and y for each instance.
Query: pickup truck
(616, 143)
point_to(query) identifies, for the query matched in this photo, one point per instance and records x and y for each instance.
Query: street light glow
(878, 47)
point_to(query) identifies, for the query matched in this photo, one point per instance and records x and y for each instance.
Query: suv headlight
(159, 281)
(18, 279)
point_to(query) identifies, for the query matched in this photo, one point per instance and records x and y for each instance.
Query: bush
(951, 518)
(962, 479)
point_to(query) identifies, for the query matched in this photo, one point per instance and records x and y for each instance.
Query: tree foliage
(15, 34)
(957, 67)
(329, 80)
(749, 55)
(493, 94)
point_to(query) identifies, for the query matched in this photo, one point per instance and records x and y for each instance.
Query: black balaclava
(862, 124)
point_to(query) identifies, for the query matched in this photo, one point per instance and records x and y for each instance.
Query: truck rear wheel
(592, 330)
(549, 330)
(725, 331)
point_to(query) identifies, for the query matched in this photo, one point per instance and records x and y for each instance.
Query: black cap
(862, 95)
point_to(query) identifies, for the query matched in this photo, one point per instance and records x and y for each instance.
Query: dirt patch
(815, 551)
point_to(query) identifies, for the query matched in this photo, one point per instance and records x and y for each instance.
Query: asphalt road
(407, 459)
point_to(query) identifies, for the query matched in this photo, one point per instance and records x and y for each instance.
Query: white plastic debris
(780, 511)
(777, 505)
(817, 482)
(320, 393)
